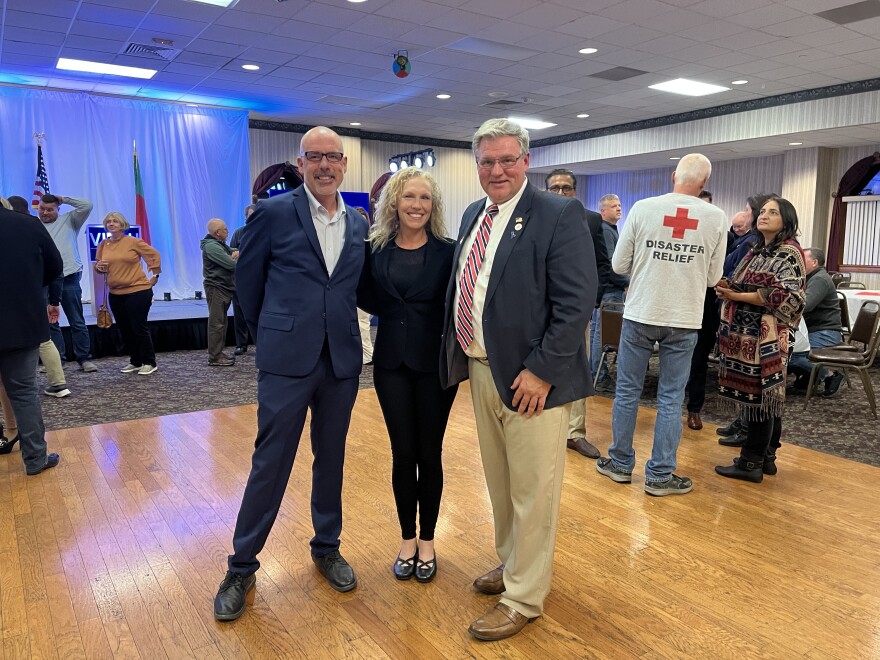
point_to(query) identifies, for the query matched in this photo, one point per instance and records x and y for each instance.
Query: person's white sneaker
(147, 369)
(129, 369)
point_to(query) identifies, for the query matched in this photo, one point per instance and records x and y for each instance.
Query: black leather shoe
(742, 470)
(6, 444)
(230, 601)
(770, 464)
(240, 350)
(426, 570)
(404, 569)
(51, 461)
(337, 571)
(833, 383)
(737, 440)
(731, 429)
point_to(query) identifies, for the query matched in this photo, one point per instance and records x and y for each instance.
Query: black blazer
(30, 262)
(540, 297)
(410, 326)
(603, 261)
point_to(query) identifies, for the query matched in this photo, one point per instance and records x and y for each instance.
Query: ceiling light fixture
(583, 115)
(250, 67)
(67, 64)
(794, 144)
(354, 123)
(588, 51)
(739, 82)
(675, 158)
(419, 159)
(217, 3)
(531, 124)
(444, 96)
(687, 87)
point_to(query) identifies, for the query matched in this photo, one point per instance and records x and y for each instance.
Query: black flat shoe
(51, 461)
(6, 444)
(426, 570)
(231, 598)
(339, 574)
(404, 569)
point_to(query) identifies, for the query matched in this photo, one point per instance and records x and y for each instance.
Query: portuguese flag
(140, 214)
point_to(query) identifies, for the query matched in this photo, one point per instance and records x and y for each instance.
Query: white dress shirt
(330, 230)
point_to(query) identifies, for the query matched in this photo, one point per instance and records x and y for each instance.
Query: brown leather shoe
(499, 622)
(694, 421)
(491, 583)
(583, 447)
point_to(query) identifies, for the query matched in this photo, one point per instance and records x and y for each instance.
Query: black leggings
(416, 410)
(130, 312)
(763, 438)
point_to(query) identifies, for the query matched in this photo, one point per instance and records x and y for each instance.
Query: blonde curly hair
(386, 222)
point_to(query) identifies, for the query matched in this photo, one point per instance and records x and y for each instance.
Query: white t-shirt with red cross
(672, 246)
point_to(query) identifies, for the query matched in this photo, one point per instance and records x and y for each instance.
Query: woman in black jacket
(404, 284)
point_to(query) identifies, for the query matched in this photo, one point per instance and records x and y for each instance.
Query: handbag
(105, 318)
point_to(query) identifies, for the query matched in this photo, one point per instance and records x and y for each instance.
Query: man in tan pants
(523, 285)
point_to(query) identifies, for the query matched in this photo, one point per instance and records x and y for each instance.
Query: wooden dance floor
(119, 550)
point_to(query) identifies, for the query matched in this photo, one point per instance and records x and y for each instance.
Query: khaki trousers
(524, 460)
(10, 426)
(51, 359)
(577, 425)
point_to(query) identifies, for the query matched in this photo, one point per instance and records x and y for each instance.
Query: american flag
(41, 182)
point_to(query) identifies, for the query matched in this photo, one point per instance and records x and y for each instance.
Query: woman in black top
(404, 283)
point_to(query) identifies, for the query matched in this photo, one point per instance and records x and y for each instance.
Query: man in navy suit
(523, 287)
(296, 278)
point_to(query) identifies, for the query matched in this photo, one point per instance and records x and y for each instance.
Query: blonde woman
(404, 283)
(131, 292)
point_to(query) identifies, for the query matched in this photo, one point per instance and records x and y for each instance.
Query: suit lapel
(511, 235)
(304, 211)
(432, 259)
(351, 216)
(383, 258)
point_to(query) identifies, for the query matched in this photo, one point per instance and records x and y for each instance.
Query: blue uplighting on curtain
(193, 160)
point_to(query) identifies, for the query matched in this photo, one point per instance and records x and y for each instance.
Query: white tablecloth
(855, 298)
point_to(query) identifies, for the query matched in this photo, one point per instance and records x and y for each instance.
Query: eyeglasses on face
(560, 189)
(318, 156)
(506, 163)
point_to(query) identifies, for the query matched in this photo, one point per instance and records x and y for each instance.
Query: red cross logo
(680, 222)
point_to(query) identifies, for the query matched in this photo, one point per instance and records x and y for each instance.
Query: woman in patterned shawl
(763, 303)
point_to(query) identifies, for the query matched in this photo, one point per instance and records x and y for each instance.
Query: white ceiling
(329, 62)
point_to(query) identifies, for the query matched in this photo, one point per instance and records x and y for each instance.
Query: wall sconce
(420, 159)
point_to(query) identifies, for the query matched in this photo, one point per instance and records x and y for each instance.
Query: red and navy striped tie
(464, 328)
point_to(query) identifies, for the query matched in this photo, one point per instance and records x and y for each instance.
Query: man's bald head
(741, 223)
(217, 229)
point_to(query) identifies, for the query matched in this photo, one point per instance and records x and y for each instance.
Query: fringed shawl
(754, 339)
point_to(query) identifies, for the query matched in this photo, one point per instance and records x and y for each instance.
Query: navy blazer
(540, 297)
(291, 305)
(410, 325)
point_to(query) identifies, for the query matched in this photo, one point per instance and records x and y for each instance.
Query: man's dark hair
(49, 198)
(818, 253)
(561, 172)
(705, 194)
(755, 203)
(19, 204)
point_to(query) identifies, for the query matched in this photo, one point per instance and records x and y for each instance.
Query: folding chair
(611, 324)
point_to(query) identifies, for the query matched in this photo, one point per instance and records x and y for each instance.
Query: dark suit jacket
(289, 301)
(541, 294)
(410, 326)
(30, 261)
(603, 261)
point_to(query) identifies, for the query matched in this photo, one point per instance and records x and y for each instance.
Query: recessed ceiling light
(739, 82)
(250, 67)
(532, 124)
(583, 115)
(588, 51)
(354, 123)
(794, 144)
(100, 67)
(687, 87)
(675, 158)
(444, 96)
(356, 1)
(217, 3)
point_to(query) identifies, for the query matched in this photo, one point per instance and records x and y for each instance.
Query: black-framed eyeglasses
(318, 156)
(506, 163)
(561, 189)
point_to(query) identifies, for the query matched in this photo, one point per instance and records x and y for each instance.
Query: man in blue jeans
(64, 230)
(672, 246)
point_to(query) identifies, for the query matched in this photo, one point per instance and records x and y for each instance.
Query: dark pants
(763, 438)
(283, 403)
(71, 303)
(218, 308)
(241, 329)
(130, 312)
(696, 387)
(416, 409)
(19, 372)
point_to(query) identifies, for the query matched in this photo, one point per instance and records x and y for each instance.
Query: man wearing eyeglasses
(563, 182)
(301, 258)
(517, 308)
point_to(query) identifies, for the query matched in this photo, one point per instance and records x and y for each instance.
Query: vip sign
(96, 233)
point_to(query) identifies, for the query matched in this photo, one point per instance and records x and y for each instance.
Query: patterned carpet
(185, 383)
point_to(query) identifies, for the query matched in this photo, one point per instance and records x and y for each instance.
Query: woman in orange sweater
(130, 292)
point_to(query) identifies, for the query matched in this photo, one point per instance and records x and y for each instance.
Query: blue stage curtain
(193, 160)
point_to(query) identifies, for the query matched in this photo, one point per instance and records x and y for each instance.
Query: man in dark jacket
(241, 330)
(218, 269)
(31, 261)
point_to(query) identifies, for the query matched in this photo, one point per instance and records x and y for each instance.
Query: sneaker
(88, 366)
(833, 383)
(606, 467)
(675, 485)
(606, 385)
(58, 391)
(147, 369)
(221, 362)
(130, 368)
